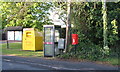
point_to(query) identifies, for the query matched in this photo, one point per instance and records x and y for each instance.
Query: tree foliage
(88, 24)
(26, 14)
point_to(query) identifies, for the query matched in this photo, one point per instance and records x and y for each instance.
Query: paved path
(47, 64)
(10, 41)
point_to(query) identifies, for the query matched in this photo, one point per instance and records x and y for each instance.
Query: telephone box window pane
(48, 35)
(49, 49)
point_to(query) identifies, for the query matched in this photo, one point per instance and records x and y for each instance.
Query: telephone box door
(48, 41)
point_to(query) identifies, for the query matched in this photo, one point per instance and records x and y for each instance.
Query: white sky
(55, 18)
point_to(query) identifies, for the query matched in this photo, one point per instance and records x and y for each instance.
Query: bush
(85, 51)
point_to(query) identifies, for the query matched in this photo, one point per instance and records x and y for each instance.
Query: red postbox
(74, 39)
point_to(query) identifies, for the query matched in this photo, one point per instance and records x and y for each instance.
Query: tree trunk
(68, 25)
(105, 46)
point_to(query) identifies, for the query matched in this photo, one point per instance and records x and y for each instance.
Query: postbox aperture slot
(28, 34)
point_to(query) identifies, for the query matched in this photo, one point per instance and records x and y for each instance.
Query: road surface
(28, 63)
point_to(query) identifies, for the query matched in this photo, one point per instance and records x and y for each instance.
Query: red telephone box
(74, 39)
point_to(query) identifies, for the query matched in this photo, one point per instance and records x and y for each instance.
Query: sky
(55, 17)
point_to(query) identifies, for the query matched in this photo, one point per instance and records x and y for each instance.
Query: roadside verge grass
(16, 50)
(111, 60)
(108, 60)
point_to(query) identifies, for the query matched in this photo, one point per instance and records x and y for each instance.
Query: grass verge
(109, 60)
(16, 50)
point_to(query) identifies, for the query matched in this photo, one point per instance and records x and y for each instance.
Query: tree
(104, 11)
(68, 26)
(64, 15)
(88, 23)
(26, 14)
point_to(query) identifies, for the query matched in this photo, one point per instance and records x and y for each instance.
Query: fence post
(7, 44)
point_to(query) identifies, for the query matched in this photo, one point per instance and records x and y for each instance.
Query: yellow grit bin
(32, 39)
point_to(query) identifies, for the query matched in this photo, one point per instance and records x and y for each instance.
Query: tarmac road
(28, 63)
(7, 65)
